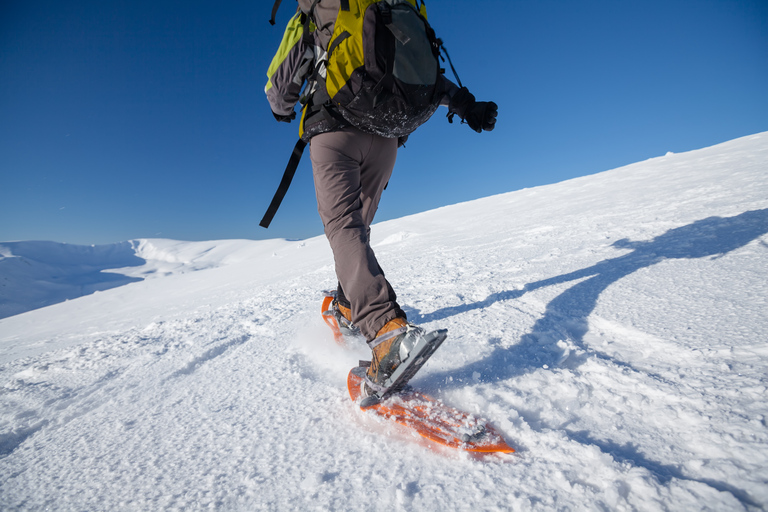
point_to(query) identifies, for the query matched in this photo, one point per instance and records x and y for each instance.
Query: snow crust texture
(612, 327)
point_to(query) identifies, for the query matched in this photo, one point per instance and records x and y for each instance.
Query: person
(351, 169)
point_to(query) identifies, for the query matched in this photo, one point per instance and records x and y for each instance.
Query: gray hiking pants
(351, 169)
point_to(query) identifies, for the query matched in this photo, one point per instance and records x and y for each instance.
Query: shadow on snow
(565, 318)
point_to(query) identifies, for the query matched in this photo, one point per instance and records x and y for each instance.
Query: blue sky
(135, 119)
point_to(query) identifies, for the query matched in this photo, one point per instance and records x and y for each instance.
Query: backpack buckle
(385, 11)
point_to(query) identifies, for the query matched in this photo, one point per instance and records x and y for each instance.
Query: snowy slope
(613, 327)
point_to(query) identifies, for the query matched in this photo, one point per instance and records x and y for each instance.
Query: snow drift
(612, 327)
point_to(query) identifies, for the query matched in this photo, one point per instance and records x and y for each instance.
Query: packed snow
(612, 327)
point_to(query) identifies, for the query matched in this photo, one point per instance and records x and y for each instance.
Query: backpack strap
(386, 16)
(274, 12)
(450, 62)
(285, 182)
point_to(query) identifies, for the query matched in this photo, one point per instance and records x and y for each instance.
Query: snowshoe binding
(397, 356)
(338, 317)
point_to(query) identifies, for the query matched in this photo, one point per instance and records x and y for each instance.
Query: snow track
(612, 327)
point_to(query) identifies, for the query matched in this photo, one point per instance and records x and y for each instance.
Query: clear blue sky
(132, 119)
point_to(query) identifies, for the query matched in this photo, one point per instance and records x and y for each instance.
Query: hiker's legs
(351, 169)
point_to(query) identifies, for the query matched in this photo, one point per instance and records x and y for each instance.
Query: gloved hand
(285, 119)
(479, 115)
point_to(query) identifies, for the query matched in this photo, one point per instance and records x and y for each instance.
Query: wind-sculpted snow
(38, 274)
(612, 328)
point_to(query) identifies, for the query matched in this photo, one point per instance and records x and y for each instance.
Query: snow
(612, 327)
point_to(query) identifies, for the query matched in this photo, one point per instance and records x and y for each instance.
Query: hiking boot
(386, 350)
(338, 317)
(343, 316)
(343, 311)
(399, 351)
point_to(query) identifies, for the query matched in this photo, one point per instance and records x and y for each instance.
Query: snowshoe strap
(290, 170)
(450, 62)
(386, 336)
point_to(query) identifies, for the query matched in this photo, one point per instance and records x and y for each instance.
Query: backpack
(382, 68)
(376, 64)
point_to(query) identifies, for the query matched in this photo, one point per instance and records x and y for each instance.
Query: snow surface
(613, 327)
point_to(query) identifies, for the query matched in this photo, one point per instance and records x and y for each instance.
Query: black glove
(285, 119)
(479, 115)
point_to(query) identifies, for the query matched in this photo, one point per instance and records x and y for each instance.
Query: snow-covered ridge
(191, 256)
(36, 274)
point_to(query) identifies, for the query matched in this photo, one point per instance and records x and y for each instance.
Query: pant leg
(350, 169)
(372, 188)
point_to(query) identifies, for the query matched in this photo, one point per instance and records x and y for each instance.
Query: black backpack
(381, 68)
